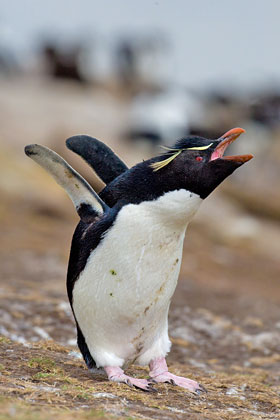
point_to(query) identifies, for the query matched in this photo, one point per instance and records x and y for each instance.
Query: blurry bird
(160, 116)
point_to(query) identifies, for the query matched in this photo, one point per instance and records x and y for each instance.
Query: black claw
(201, 387)
(200, 390)
(128, 383)
(151, 389)
(147, 389)
(172, 382)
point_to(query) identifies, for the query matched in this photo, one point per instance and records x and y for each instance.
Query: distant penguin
(127, 248)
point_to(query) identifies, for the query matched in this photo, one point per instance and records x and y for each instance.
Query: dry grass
(43, 381)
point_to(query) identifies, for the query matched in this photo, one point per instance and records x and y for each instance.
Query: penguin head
(194, 163)
(198, 164)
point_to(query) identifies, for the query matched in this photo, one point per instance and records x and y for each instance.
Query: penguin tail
(87, 203)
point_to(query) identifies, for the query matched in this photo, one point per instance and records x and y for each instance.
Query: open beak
(228, 138)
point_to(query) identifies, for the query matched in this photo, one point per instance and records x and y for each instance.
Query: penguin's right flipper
(86, 201)
(100, 157)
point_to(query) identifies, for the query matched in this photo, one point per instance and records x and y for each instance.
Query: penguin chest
(121, 299)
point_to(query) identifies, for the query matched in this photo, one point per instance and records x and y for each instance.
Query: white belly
(122, 297)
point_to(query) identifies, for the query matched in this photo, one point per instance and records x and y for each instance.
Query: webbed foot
(116, 374)
(159, 373)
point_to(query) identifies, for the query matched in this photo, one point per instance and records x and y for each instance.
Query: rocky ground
(224, 319)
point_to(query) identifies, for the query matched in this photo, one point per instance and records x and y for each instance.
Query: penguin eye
(199, 158)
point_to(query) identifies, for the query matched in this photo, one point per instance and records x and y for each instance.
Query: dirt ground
(224, 318)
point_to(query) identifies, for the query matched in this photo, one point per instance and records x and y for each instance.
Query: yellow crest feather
(159, 165)
(200, 147)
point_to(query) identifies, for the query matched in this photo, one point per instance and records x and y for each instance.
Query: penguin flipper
(100, 157)
(85, 200)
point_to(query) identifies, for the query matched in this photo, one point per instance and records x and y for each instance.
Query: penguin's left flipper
(85, 199)
(100, 157)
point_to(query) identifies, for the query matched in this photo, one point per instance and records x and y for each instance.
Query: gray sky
(213, 40)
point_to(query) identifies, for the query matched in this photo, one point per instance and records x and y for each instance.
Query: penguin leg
(159, 373)
(116, 374)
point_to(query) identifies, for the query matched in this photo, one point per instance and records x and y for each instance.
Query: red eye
(199, 158)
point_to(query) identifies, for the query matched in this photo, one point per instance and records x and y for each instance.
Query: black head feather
(193, 163)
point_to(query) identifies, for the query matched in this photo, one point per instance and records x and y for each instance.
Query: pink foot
(116, 374)
(159, 373)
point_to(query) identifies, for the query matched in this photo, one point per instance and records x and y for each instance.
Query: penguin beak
(224, 141)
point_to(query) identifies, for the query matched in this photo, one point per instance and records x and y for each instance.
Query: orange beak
(228, 138)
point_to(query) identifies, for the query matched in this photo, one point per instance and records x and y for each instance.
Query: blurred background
(137, 75)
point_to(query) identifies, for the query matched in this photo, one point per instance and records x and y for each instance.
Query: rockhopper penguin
(127, 248)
